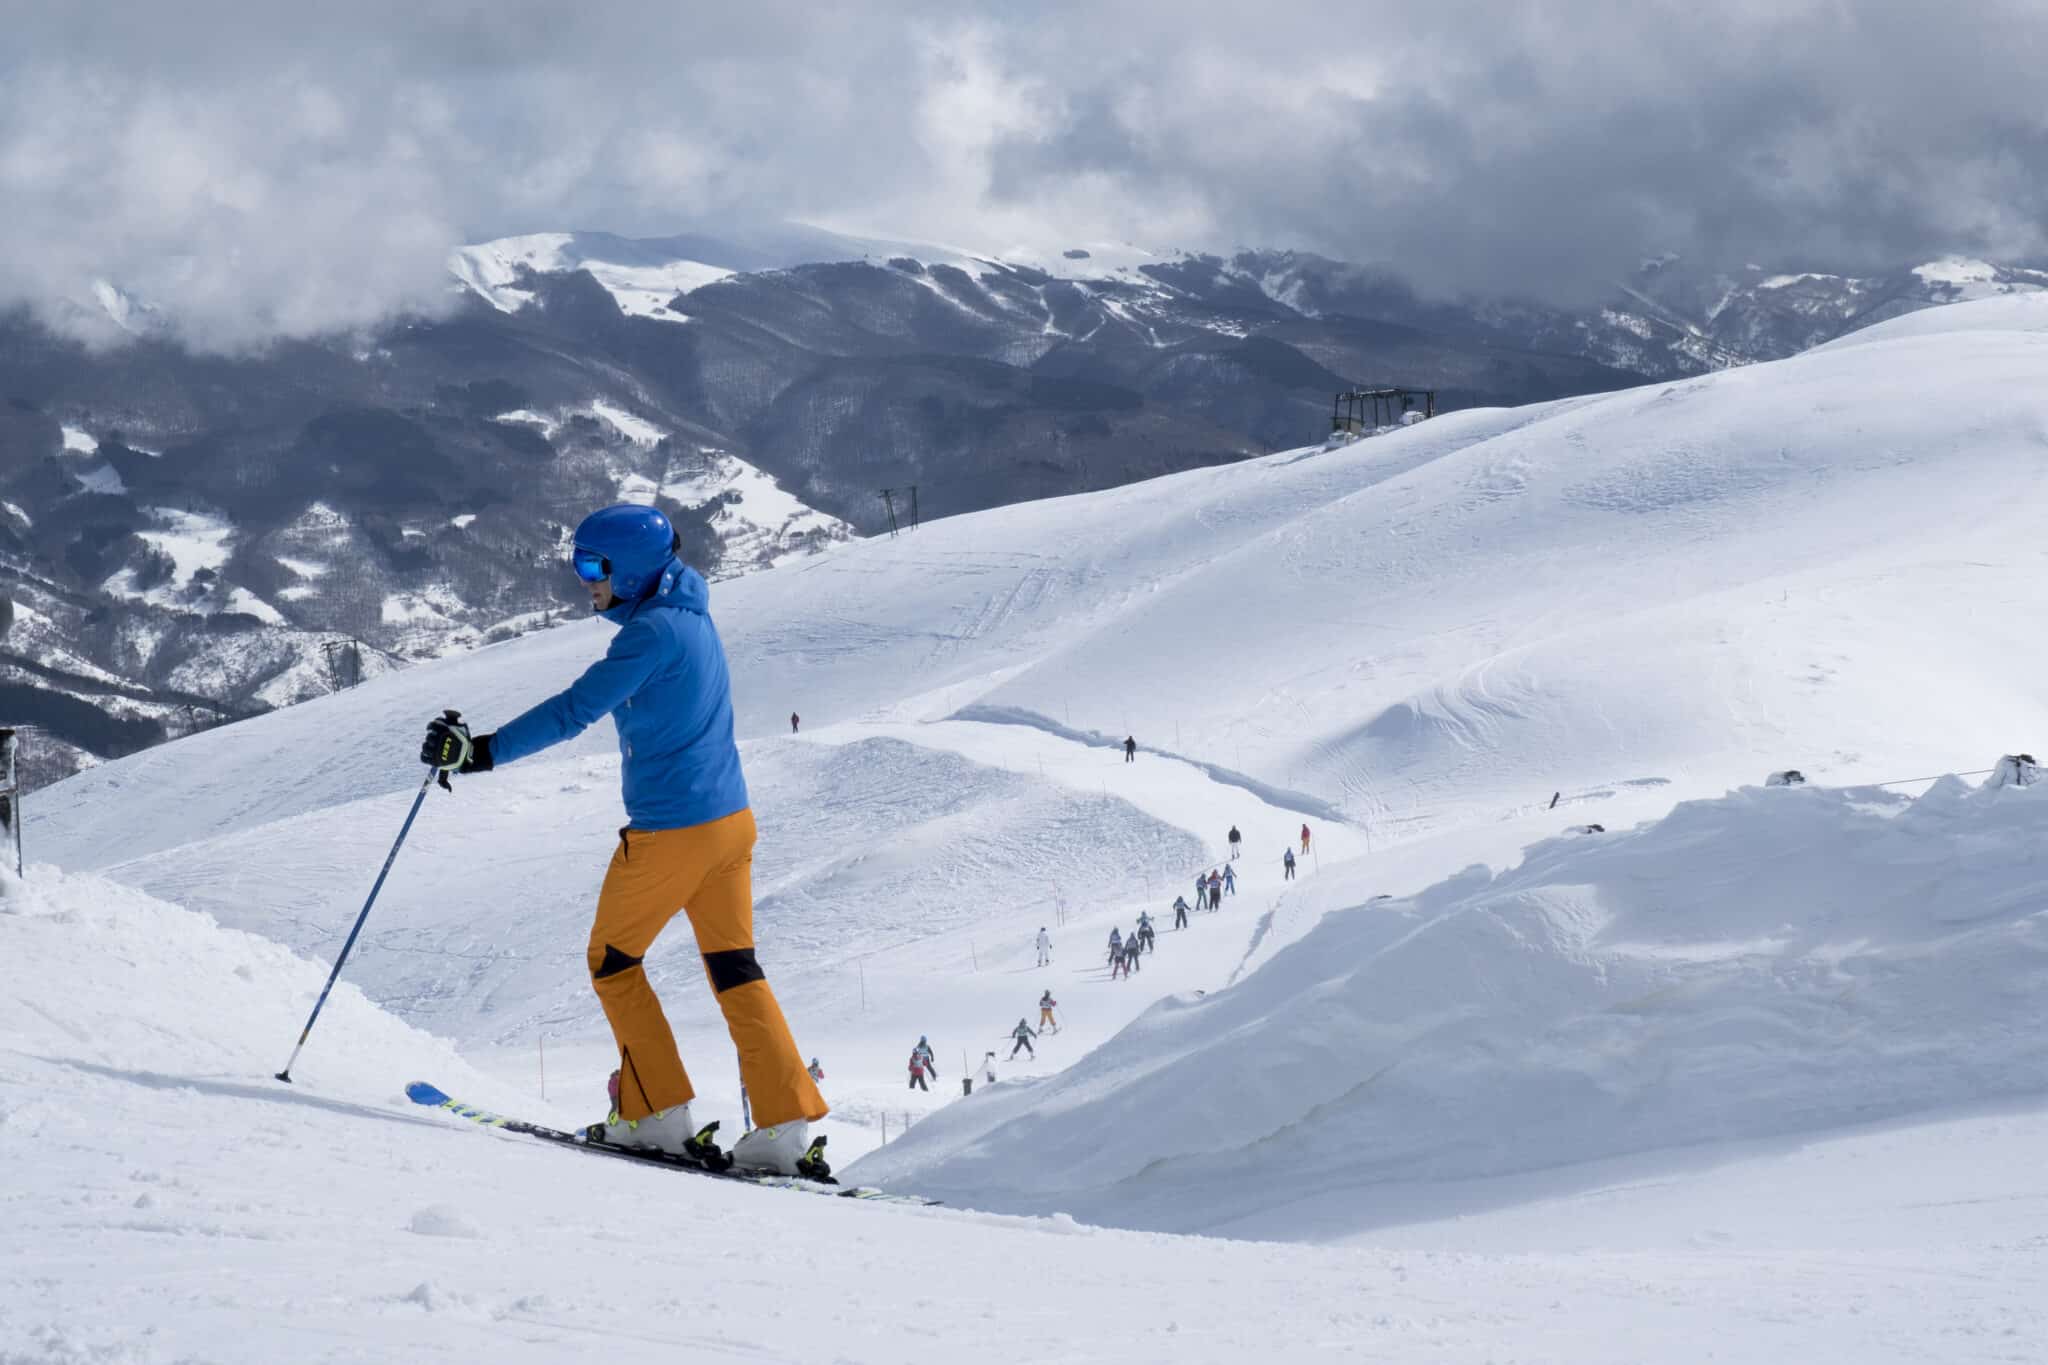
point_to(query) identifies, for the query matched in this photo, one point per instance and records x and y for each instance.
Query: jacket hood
(679, 586)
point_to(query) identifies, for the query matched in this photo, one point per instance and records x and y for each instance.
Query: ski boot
(784, 1149)
(671, 1132)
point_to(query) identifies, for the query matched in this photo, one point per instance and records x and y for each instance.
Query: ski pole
(286, 1074)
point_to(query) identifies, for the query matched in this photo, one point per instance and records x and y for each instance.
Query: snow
(248, 603)
(638, 430)
(646, 291)
(547, 425)
(1615, 995)
(16, 509)
(490, 268)
(102, 479)
(463, 522)
(79, 442)
(641, 290)
(2013, 312)
(1786, 281)
(1956, 270)
(434, 605)
(760, 523)
(193, 540)
(1759, 1067)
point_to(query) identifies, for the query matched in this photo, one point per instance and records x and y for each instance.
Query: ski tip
(419, 1092)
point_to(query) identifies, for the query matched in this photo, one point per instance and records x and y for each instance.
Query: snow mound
(2015, 312)
(110, 989)
(1776, 960)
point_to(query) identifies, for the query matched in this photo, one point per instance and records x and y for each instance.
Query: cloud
(259, 170)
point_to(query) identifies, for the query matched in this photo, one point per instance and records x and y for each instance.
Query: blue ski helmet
(629, 544)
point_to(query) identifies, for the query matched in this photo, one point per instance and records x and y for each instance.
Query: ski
(419, 1092)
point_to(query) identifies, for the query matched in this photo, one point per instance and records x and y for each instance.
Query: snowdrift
(108, 989)
(1777, 960)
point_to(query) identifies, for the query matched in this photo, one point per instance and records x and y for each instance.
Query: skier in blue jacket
(688, 844)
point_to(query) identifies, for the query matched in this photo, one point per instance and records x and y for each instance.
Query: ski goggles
(591, 566)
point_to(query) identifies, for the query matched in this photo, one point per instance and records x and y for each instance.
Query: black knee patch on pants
(733, 967)
(614, 963)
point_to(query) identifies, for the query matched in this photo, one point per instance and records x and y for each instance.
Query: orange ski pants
(706, 871)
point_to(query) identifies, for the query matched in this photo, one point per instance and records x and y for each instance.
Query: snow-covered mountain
(199, 537)
(1558, 1047)
(193, 538)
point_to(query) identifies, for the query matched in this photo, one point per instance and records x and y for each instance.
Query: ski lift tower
(1361, 412)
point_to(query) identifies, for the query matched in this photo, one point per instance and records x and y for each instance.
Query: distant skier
(1145, 934)
(1044, 947)
(1235, 840)
(1201, 891)
(917, 1070)
(1304, 838)
(687, 844)
(1215, 889)
(1130, 749)
(1229, 880)
(1023, 1034)
(1119, 963)
(817, 1072)
(1134, 949)
(1180, 912)
(1287, 864)
(1046, 1005)
(1116, 944)
(924, 1050)
(793, 720)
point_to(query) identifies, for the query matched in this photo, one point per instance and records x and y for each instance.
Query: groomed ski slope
(170, 1203)
(1601, 1063)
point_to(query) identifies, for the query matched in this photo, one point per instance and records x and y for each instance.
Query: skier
(1215, 889)
(688, 843)
(1235, 840)
(1046, 1005)
(1023, 1034)
(1145, 930)
(917, 1072)
(817, 1072)
(924, 1050)
(1118, 963)
(1304, 838)
(988, 1069)
(1287, 863)
(1229, 880)
(1180, 912)
(1201, 891)
(1133, 947)
(1116, 944)
(793, 718)
(1130, 749)
(1044, 947)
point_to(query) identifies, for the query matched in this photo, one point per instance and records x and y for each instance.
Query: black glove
(450, 747)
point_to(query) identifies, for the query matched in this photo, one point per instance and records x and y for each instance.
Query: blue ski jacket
(664, 684)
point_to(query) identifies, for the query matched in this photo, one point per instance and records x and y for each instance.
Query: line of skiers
(1125, 956)
(1125, 952)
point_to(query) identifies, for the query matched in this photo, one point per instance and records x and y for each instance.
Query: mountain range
(187, 538)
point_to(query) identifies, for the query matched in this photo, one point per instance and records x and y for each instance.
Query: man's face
(600, 594)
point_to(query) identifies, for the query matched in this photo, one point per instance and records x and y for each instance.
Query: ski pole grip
(453, 717)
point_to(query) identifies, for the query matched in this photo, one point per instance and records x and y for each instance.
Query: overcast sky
(284, 168)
